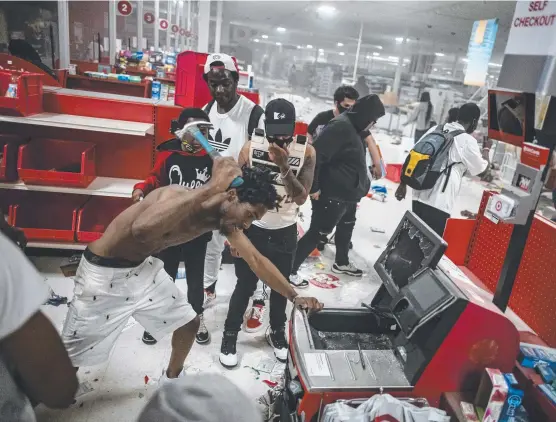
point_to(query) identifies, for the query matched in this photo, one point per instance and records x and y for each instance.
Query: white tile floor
(119, 388)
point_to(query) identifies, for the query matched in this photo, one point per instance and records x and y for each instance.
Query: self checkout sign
(124, 8)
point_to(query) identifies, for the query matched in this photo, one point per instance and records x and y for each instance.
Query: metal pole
(188, 40)
(203, 25)
(112, 31)
(183, 25)
(358, 50)
(156, 24)
(177, 34)
(218, 32)
(140, 26)
(63, 35)
(169, 30)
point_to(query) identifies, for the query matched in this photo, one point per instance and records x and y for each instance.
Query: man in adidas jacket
(234, 117)
(435, 205)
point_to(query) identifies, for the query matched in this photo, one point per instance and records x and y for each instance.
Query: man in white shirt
(34, 366)
(234, 117)
(435, 205)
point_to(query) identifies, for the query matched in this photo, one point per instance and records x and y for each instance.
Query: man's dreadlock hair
(257, 187)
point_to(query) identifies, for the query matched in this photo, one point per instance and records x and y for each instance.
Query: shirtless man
(118, 278)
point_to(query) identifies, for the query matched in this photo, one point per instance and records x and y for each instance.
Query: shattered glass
(406, 255)
(332, 340)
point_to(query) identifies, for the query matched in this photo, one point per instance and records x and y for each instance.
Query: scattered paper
(377, 230)
(84, 388)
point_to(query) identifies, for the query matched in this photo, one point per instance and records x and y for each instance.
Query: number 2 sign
(124, 8)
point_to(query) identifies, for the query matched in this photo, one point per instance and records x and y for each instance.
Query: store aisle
(120, 389)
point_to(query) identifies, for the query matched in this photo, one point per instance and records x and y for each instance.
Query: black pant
(327, 214)
(418, 135)
(433, 217)
(193, 256)
(279, 247)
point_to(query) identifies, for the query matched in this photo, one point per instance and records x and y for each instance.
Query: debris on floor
(56, 300)
(84, 388)
(377, 230)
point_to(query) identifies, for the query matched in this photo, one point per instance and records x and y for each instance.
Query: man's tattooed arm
(298, 188)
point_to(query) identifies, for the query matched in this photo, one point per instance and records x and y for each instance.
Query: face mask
(341, 108)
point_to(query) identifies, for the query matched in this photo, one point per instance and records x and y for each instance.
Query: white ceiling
(430, 26)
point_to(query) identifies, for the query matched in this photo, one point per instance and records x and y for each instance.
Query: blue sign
(479, 51)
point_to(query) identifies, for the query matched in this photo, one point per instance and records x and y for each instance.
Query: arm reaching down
(267, 272)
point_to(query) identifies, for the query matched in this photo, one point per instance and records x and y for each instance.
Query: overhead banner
(479, 51)
(530, 55)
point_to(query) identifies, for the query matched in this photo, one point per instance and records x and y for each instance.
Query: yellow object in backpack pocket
(414, 159)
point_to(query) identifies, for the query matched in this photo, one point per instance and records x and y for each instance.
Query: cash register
(428, 330)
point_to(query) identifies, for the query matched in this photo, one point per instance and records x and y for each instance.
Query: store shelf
(94, 124)
(101, 186)
(57, 245)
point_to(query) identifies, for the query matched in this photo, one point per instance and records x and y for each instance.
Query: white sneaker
(209, 298)
(164, 378)
(277, 340)
(228, 353)
(298, 282)
(349, 269)
(254, 318)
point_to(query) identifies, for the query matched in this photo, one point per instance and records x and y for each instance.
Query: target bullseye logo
(498, 205)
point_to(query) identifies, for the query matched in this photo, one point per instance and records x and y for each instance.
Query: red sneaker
(254, 318)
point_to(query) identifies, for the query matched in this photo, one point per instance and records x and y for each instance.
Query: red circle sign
(163, 24)
(182, 32)
(148, 17)
(498, 205)
(124, 8)
(175, 28)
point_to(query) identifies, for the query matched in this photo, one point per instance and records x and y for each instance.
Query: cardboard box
(499, 396)
(492, 394)
(530, 354)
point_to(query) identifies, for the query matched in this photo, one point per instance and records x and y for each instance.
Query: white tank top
(288, 211)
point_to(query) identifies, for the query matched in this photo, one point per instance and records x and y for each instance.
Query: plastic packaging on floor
(379, 407)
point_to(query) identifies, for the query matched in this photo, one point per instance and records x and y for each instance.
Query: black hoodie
(341, 169)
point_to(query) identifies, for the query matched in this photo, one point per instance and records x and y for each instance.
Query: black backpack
(428, 159)
(254, 118)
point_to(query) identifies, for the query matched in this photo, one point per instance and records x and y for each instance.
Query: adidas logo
(203, 175)
(217, 142)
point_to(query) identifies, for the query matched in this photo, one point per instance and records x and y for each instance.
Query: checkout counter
(427, 331)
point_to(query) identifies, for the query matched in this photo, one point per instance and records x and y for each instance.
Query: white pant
(213, 261)
(105, 298)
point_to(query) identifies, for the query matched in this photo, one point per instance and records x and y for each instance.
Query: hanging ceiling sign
(531, 49)
(163, 24)
(148, 18)
(479, 51)
(124, 8)
(175, 28)
(182, 32)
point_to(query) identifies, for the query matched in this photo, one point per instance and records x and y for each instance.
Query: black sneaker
(228, 353)
(298, 282)
(148, 339)
(203, 336)
(277, 340)
(349, 269)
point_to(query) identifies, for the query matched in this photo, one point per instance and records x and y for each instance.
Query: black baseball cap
(279, 118)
